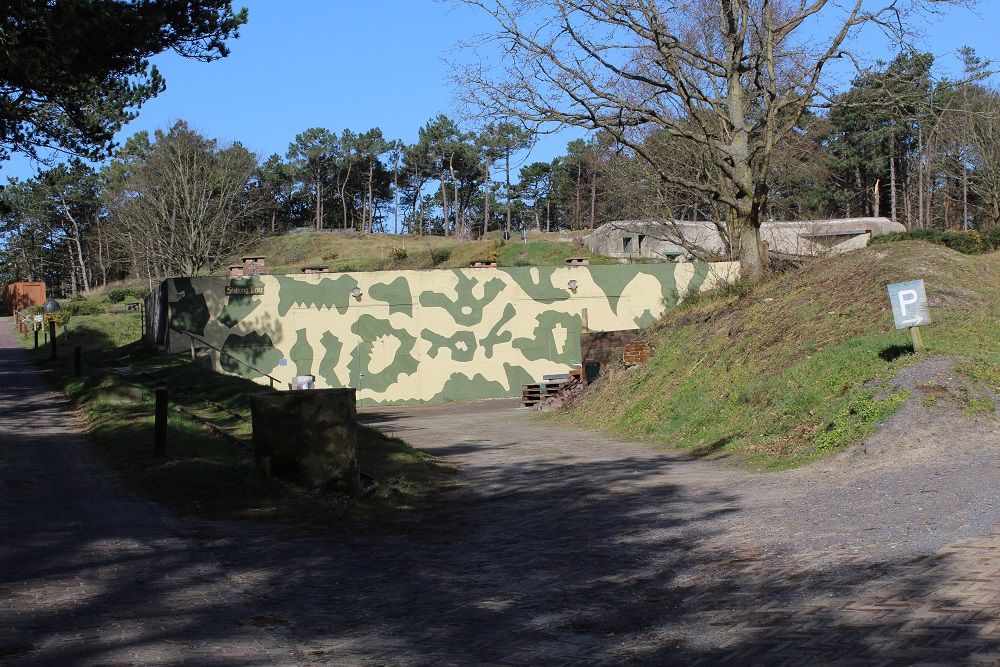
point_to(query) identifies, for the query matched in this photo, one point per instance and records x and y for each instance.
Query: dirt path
(563, 548)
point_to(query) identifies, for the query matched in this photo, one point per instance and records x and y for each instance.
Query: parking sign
(909, 304)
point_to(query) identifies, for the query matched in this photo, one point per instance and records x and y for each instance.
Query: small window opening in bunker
(638, 248)
(626, 244)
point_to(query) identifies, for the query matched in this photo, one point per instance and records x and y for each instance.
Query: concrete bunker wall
(420, 336)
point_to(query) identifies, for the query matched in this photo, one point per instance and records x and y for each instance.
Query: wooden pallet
(533, 393)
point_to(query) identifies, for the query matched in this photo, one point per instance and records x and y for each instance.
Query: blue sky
(373, 63)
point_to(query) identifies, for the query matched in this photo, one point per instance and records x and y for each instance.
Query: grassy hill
(797, 367)
(351, 252)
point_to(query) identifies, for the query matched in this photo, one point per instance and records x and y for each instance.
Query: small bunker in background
(308, 437)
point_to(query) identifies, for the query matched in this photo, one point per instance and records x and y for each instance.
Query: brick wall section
(606, 347)
(254, 266)
(638, 352)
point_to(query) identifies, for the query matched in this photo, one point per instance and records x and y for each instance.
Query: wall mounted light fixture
(356, 293)
(572, 285)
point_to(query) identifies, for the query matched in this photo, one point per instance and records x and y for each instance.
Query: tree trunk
(965, 197)
(593, 198)
(371, 197)
(343, 193)
(486, 201)
(72, 270)
(892, 185)
(456, 200)
(507, 172)
(576, 212)
(444, 203)
(319, 203)
(100, 255)
(754, 261)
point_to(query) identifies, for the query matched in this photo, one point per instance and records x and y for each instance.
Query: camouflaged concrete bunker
(419, 336)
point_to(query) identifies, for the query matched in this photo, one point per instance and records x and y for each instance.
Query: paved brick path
(563, 548)
(90, 574)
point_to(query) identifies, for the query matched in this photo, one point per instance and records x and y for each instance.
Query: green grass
(795, 368)
(204, 475)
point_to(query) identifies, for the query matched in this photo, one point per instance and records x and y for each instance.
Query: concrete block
(308, 437)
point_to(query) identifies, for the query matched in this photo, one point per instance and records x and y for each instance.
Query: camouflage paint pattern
(421, 336)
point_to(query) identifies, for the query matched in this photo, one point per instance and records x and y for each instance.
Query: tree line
(713, 111)
(899, 143)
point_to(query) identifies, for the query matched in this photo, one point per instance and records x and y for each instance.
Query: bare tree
(732, 76)
(185, 205)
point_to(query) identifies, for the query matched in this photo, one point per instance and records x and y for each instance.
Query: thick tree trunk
(754, 261)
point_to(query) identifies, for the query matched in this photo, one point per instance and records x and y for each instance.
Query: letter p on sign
(909, 304)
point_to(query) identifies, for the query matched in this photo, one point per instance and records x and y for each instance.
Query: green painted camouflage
(422, 336)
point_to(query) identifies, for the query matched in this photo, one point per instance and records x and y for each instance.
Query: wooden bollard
(160, 424)
(52, 338)
(36, 339)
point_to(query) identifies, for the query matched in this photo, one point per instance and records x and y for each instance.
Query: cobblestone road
(90, 574)
(563, 548)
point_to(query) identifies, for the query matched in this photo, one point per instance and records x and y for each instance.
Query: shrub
(119, 294)
(80, 306)
(398, 254)
(972, 242)
(439, 255)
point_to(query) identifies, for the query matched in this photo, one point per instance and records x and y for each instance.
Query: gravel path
(563, 547)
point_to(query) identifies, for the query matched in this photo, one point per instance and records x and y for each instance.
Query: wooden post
(52, 338)
(77, 360)
(160, 424)
(918, 340)
(584, 321)
(36, 338)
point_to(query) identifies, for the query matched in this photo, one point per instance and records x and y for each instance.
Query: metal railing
(194, 337)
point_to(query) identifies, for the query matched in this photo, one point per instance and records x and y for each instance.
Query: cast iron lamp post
(51, 307)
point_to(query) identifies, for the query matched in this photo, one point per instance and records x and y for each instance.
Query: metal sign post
(909, 309)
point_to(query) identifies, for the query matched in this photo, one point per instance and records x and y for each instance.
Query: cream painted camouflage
(422, 336)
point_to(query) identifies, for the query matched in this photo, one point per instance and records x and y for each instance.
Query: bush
(119, 294)
(398, 254)
(80, 306)
(972, 242)
(439, 255)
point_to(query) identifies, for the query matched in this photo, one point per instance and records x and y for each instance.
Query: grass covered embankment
(203, 474)
(289, 253)
(797, 367)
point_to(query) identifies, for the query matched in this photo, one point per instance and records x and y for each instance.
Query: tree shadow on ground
(596, 562)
